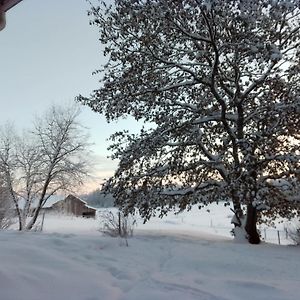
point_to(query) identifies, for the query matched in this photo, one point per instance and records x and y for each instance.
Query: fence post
(278, 235)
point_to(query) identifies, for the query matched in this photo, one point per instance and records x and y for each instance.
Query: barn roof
(72, 197)
(75, 198)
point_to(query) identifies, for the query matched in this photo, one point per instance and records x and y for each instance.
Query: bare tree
(8, 166)
(6, 206)
(50, 158)
(219, 83)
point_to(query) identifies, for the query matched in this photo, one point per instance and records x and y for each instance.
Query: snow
(186, 256)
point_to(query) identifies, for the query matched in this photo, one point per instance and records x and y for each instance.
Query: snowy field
(188, 256)
(213, 220)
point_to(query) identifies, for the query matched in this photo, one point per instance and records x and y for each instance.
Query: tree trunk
(238, 211)
(34, 218)
(20, 221)
(250, 227)
(19, 215)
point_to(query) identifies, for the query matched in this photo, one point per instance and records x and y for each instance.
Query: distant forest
(98, 199)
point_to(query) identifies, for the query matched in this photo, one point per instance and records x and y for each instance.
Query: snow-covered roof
(74, 197)
(52, 200)
(82, 201)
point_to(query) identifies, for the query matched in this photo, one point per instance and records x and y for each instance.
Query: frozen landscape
(195, 101)
(188, 256)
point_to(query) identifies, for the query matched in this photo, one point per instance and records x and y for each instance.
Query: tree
(50, 158)
(6, 206)
(8, 167)
(219, 83)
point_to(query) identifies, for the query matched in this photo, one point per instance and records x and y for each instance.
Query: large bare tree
(219, 83)
(51, 157)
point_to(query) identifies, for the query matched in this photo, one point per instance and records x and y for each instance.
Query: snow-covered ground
(188, 256)
(213, 220)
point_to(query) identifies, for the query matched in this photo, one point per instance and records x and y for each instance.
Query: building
(5, 5)
(74, 206)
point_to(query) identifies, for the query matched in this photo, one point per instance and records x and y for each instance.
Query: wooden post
(278, 235)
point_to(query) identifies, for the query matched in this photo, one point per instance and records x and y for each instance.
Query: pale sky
(48, 53)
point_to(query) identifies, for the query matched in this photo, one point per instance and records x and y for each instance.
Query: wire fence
(279, 235)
